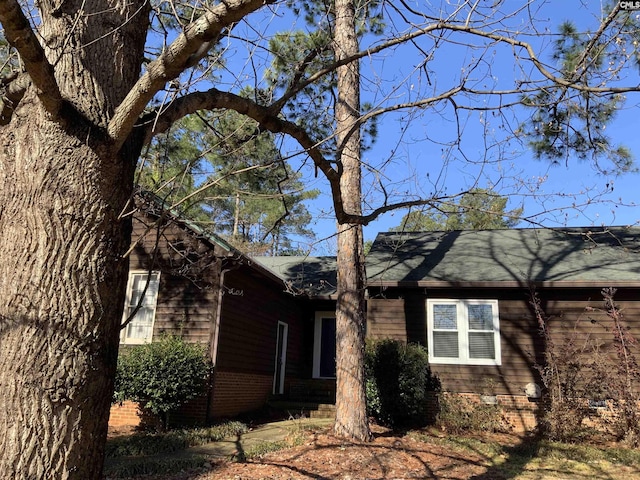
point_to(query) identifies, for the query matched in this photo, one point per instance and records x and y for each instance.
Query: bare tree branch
(183, 53)
(14, 88)
(269, 119)
(265, 116)
(20, 36)
(595, 39)
(464, 28)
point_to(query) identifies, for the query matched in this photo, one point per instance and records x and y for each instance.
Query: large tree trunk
(351, 408)
(61, 296)
(62, 239)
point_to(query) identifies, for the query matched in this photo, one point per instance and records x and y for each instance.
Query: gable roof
(559, 257)
(314, 277)
(152, 205)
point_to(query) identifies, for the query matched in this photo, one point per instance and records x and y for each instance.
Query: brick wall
(194, 412)
(125, 415)
(128, 414)
(236, 393)
(520, 411)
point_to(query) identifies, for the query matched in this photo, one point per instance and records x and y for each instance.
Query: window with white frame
(464, 332)
(142, 294)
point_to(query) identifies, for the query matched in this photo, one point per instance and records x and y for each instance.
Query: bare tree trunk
(351, 408)
(236, 216)
(61, 296)
(63, 188)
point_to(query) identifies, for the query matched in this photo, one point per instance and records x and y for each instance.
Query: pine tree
(477, 209)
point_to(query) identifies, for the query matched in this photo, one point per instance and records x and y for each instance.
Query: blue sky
(411, 151)
(566, 185)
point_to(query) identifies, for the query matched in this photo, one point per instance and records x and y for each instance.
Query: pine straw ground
(430, 455)
(324, 456)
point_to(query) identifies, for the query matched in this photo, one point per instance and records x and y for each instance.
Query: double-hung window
(142, 296)
(464, 332)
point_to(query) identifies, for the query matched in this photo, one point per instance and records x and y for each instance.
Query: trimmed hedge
(162, 376)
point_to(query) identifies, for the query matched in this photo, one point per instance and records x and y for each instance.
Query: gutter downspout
(216, 326)
(215, 336)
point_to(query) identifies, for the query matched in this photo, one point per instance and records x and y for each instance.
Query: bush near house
(581, 371)
(458, 414)
(398, 383)
(162, 376)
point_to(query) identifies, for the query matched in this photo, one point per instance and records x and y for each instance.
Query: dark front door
(281, 359)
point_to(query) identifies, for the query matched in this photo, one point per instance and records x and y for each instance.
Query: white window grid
(462, 329)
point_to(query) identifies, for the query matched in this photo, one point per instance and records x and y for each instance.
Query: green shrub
(163, 375)
(398, 382)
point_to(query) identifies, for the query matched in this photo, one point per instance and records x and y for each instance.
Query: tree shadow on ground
(533, 455)
(394, 455)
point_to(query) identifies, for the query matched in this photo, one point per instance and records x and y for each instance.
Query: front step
(304, 409)
(324, 410)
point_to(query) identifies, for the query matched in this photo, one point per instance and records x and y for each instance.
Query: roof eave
(505, 284)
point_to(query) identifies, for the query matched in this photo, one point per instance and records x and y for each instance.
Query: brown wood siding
(251, 309)
(522, 346)
(386, 319)
(187, 298)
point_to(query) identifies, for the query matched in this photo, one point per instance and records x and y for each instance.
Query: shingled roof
(562, 257)
(311, 276)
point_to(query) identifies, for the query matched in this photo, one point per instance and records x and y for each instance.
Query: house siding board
(522, 346)
(385, 319)
(249, 322)
(190, 271)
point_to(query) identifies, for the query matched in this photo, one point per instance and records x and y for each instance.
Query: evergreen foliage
(398, 383)
(234, 180)
(573, 120)
(162, 376)
(478, 209)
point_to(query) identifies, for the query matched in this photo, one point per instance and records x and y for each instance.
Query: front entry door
(281, 358)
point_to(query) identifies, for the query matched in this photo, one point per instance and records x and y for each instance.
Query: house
(269, 322)
(200, 287)
(313, 281)
(467, 295)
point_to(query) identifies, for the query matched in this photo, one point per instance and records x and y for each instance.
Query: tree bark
(62, 280)
(63, 188)
(351, 409)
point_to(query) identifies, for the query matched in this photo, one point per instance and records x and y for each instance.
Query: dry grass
(424, 454)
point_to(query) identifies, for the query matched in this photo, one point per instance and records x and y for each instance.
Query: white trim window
(324, 345)
(463, 332)
(140, 329)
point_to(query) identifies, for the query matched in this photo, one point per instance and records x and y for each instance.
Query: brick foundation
(233, 393)
(128, 414)
(518, 411)
(194, 412)
(125, 415)
(236, 393)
